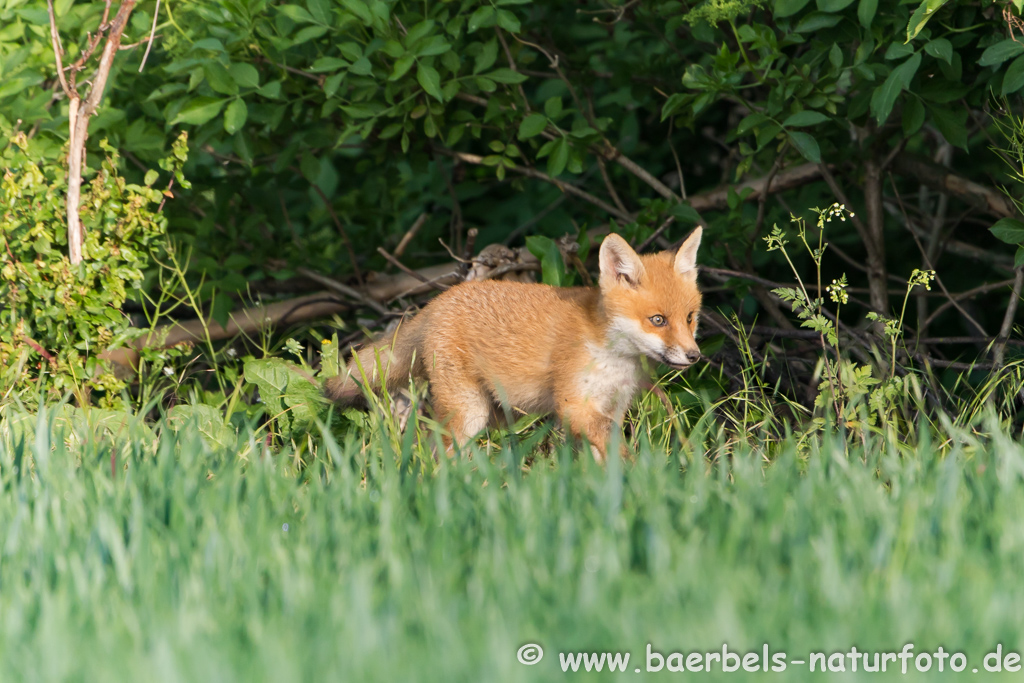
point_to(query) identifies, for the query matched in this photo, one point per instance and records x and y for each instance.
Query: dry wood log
(252, 320)
(940, 179)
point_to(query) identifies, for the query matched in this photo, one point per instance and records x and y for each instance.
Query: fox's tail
(382, 366)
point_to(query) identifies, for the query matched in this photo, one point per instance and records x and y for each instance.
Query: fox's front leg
(582, 419)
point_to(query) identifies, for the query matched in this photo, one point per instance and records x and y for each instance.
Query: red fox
(574, 351)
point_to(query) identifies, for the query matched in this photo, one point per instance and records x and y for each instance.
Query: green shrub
(56, 318)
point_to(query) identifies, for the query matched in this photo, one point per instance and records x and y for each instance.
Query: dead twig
(343, 289)
(999, 351)
(929, 264)
(534, 173)
(341, 231)
(152, 34)
(455, 224)
(656, 234)
(58, 49)
(410, 233)
(408, 271)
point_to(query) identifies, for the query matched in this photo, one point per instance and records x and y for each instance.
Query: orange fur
(574, 352)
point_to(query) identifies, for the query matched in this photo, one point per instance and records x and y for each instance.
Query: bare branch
(341, 231)
(58, 51)
(784, 180)
(1007, 327)
(408, 271)
(152, 34)
(343, 289)
(534, 173)
(99, 84)
(941, 179)
(409, 234)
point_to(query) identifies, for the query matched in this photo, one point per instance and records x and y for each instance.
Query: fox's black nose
(693, 356)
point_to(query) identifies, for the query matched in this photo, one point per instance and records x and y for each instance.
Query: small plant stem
(899, 330)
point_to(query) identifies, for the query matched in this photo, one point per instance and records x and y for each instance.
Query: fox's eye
(658, 320)
(689, 318)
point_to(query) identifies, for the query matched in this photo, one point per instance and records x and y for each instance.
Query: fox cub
(574, 352)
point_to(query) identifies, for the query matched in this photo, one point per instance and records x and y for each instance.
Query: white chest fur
(609, 380)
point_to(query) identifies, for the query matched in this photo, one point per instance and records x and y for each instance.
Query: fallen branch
(783, 180)
(342, 289)
(940, 179)
(408, 271)
(256, 318)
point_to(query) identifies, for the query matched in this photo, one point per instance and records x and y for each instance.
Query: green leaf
(815, 21)
(297, 14)
(361, 67)
(482, 18)
(508, 21)
(806, 145)
(235, 116)
(833, 5)
(487, 56)
(884, 96)
(913, 116)
(1014, 77)
(402, 66)
(750, 121)
(925, 11)
(940, 48)
(245, 75)
(307, 34)
(835, 56)
(310, 167)
(898, 51)
(866, 12)
(320, 10)
(787, 8)
(552, 266)
(506, 76)
(219, 78)
(418, 31)
(430, 81)
(1018, 258)
(532, 126)
(805, 118)
(199, 110)
(684, 213)
(435, 45)
(1000, 52)
(1009, 230)
(559, 157)
(324, 64)
(360, 9)
(151, 176)
(221, 307)
(553, 107)
(353, 51)
(952, 123)
(333, 82)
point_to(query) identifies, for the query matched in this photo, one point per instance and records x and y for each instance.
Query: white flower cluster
(837, 291)
(836, 210)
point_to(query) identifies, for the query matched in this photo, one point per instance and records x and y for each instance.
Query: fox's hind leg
(464, 408)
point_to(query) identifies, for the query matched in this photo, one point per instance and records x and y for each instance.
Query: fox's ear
(686, 257)
(619, 263)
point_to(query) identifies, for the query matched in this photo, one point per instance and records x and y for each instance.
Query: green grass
(174, 564)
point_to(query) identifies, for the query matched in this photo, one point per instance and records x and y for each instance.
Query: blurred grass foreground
(179, 552)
